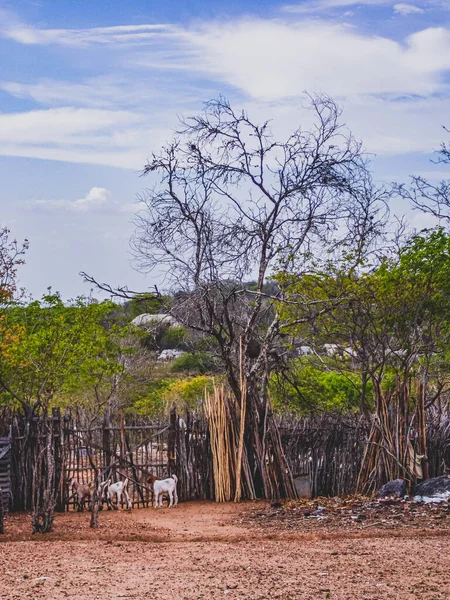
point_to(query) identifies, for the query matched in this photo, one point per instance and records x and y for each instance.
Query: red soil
(204, 550)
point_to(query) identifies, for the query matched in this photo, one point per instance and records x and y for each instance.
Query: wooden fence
(114, 449)
(327, 450)
(5, 473)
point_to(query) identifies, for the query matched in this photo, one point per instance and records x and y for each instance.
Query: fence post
(122, 440)
(171, 464)
(106, 443)
(2, 529)
(133, 470)
(57, 452)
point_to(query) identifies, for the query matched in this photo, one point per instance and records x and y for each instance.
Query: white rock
(170, 354)
(146, 320)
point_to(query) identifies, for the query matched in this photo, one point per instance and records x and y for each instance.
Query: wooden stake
(243, 386)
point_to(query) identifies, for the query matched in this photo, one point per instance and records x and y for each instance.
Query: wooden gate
(114, 451)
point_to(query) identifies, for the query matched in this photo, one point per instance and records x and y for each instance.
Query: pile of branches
(397, 444)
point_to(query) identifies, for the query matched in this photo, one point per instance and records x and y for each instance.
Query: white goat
(102, 489)
(119, 489)
(166, 486)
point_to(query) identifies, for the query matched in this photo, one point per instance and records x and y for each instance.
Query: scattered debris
(437, 499)
(350, 513)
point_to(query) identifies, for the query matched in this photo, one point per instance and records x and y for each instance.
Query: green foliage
(173, 337)
(145, 303)
(205, 344)
(310, 390)
(161, 393)
(189, 393)
(11, 257)
(60, 348)
(165, 337)
(197, 362)
(394, 315)
(151, 400)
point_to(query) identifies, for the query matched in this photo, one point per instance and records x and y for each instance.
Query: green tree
(59, 349)
(146, 303)
(393, 320)
(307, 389)
(196, 362)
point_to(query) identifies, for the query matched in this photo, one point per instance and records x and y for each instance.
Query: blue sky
(88, 89)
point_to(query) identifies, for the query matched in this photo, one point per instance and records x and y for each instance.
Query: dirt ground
(202, 550)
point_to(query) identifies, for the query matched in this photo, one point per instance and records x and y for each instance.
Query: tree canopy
(58, 348)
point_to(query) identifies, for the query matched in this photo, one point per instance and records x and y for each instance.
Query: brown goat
(83, 492)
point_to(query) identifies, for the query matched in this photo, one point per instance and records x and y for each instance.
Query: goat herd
(116, 493)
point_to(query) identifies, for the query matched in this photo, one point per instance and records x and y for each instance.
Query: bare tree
(431, 198)
(11, 256)
(231, 204)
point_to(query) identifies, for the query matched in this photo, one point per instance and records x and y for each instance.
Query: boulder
(170, 354)
(434, 487)
(152, 320)
(304, 350)
(396, 488)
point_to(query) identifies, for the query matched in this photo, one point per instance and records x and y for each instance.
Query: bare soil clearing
(204, 550)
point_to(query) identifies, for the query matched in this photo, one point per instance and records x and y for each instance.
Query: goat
(102, 489)
(168, 486)
(82, 491)
(118, 489)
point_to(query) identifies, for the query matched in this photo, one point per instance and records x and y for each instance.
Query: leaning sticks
(216, 411)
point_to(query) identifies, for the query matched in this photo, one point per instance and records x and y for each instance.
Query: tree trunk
(44, 488)
(95, 506)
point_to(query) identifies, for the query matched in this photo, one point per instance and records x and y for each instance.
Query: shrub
(197, 362)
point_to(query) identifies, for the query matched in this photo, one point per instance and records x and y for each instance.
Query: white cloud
(396, 128)
(323, 5)
(407, 9)
(316, 6)
(119, 91)
(95, 92)
(115, 138)
(386, 86)
(312, 55)
(419, 220)
(319, 56)
(96, 199)
(123, 34)
(66, 124)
